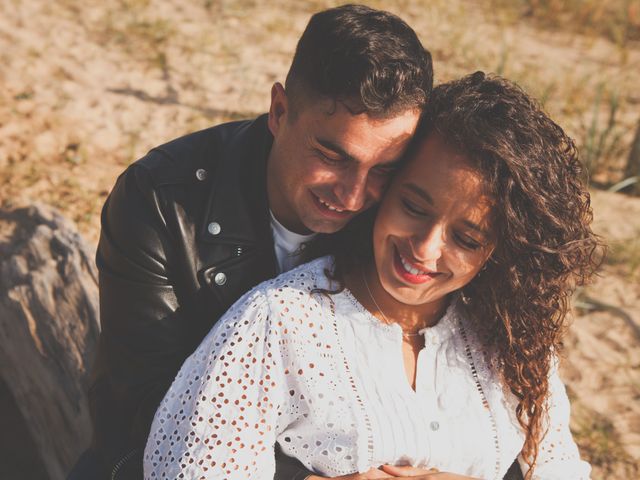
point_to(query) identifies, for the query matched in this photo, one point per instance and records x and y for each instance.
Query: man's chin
(325, 226)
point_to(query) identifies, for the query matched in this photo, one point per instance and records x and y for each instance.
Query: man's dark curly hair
(541, 218)
(369, 58)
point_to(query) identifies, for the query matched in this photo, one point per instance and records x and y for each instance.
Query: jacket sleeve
(558, 456)
(289, 468)
(144, 334)
(228, 403)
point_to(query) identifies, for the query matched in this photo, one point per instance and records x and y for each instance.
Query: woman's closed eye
(468, 242)
(413, 209)
(464, 240)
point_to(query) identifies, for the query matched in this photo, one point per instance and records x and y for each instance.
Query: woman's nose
(429, 244)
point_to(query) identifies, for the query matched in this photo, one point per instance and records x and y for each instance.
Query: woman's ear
(489, 255)
(488, 258)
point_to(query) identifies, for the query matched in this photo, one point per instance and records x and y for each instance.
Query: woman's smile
(412, 272)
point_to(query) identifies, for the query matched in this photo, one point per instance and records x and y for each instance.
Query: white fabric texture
(325, 379)
(288, 245)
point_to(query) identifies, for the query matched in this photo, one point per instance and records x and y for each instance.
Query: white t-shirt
(325, 379)
(288, 245)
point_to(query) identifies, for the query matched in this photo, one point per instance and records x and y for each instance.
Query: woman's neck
(364, 284)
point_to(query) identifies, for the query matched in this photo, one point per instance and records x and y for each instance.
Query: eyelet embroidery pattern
(204, 421)
(485, 403)
(356, 393)
(274, 369)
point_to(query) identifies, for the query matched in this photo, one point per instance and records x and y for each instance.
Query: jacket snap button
(434, 425)
(214, 228)
(201, 174)
(220, 278)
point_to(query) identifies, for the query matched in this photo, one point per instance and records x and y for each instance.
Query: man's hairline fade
(369, 60)
(300, 97)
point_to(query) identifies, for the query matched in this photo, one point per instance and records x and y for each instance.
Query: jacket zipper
(121, 462)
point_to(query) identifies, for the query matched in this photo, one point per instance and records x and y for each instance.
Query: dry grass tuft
(600, 444)
(616, 20)
(625, 255)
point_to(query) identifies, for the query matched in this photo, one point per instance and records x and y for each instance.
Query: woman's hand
(421, 473)
(389, 472)
(374, 473)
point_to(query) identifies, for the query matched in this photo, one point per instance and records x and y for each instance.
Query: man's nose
(352, 189)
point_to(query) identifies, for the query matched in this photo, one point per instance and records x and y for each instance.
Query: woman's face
(433, 231)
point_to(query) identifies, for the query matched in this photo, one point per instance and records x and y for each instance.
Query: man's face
(327, 164)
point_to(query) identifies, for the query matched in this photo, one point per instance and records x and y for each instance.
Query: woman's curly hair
(544, 243)
(542, 214)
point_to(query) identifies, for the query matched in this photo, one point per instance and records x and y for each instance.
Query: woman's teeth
(411, 269)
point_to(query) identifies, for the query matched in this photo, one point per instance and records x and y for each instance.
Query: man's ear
(279, 108)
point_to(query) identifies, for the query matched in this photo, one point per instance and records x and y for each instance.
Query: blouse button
(214, 228)
(201, 174)
(220, 278)
(434, 426)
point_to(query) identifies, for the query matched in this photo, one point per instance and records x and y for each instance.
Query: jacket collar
(238, 198)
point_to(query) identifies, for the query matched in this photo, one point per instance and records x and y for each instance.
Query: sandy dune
(87, 87)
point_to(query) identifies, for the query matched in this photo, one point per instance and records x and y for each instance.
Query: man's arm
(289, 468)
(144, 335)
(146, 332)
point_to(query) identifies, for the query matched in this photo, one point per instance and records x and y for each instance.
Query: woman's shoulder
(302, 280)
(291, 298)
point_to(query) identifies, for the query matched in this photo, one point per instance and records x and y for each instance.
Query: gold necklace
(386, 320)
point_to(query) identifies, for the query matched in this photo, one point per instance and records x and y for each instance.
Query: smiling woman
(433, 232)
(426, 344)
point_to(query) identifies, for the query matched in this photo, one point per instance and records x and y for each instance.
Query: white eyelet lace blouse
(325, 379)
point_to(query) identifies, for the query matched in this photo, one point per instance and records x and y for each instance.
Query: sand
(87, 87)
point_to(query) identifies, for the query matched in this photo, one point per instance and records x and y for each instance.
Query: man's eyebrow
(336, 149)
(427, 198)
(340, 151)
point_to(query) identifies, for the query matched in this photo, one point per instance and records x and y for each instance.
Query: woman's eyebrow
(427, 198)
(476, 227)
(419, 191)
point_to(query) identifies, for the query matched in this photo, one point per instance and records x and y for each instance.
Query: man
(200, 220)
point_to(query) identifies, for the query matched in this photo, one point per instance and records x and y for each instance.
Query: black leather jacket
(185, 232)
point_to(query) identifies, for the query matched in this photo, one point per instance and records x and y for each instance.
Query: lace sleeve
(220, 417)
(558, 456)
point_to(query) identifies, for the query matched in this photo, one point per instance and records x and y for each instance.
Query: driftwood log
(48, 336)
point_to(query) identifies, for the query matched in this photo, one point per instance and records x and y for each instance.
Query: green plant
(142, 35)
(599, 441)
(600, 445)
(601, 141)
(616, 20)
(626, 254)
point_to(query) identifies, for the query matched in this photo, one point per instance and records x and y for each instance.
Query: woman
(426, 344)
